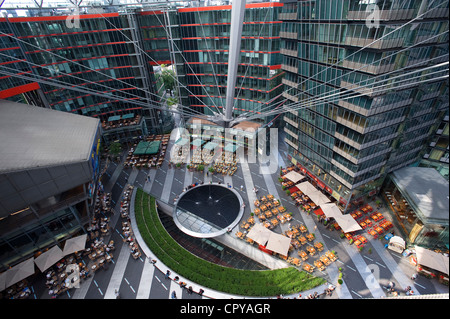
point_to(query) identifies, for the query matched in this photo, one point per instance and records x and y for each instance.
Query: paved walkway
(364, 273)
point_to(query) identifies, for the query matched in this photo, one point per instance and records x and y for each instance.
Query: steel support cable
(316, 101)
(368, 45)
(261, 28)
(371, 79)
(38, 78)
(366, 66)
(76, 63)
(339, 95)
(364, 47)
(366, 80)
(85, 80)
(186, 62)
(143, 51)
(209, 54)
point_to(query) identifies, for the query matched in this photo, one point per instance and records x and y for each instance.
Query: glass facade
(202, 43)
(376, 115)
(100, 53)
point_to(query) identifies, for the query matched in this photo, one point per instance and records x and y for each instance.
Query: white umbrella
(19, 272)
(259, 234)
(279, 244)
(75, 244)
(49, 258)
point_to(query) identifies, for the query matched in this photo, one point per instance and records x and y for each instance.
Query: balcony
(373, 110)
(290, 97)
(363, 128)
(289, 35)
(368, 68)
(293, 69)
(287, 16)
(360, 146)
(384, 15)
(380, 44)
(291, 122)
(293, 53)
(292, 144)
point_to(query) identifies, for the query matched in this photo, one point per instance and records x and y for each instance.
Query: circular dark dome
(208, 210)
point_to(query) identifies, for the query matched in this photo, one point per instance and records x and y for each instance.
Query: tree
(115, 148)
(168, 77)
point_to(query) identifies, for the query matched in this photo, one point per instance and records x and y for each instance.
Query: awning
(346, 222)
(210, 146)
(197, 142)
(49, 258)
(432, 260)
(313, 193)
(128, 116)
(294, 176)
(19, 272)
(182, 141)
(114, 118)
(75, 244)
(259, 234)
(147, 148)
(230, 147)
(278, 243)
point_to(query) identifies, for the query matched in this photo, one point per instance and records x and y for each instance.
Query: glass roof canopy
(209, 210)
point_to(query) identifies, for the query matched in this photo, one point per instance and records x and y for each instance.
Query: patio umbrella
(49, 258)
(279, 243)
(19, 272)
(75, 244)
(259, 234)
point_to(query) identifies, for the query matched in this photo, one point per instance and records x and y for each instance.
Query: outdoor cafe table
(263, 207)
(257, 211)
(274, 211)
(282, 209)
(240, 234)
(311, 250)
(308, 267)
(281, 218)
(256, 202)
(251, 220)
(325, 260)
(296, 262)
(319, 265)
(274, 222)
(268, 214)
(378, 229)
(263, 199)
(318, 246)
(372, 232)
(303, 228)
(302, 240)
(330, 255)
(287, 216)
(303, 255)
(270, 197)
(310, 237)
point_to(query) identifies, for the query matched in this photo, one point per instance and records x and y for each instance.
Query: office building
(374, 120)
(49, 166)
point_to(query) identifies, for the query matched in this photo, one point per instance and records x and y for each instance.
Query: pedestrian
(167, 274)
(190, 290)
(201, 291)
(414, 276)
(174, 295)
(242, 188)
